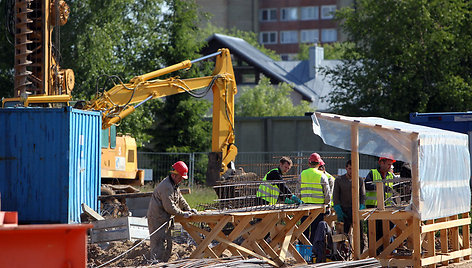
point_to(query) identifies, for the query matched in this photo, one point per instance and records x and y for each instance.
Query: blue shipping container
(50, 163)
(453, 121)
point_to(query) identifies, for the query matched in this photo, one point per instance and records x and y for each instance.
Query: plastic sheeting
(443, 158)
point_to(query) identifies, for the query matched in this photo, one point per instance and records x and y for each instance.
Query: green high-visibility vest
(371, 196)
(268, 192)
(311, 189)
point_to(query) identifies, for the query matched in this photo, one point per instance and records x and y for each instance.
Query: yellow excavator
(39, 81)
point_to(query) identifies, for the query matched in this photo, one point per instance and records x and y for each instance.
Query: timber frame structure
(408, 230)
(282, 225)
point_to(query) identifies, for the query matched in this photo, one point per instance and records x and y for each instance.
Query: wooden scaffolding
(429, 242)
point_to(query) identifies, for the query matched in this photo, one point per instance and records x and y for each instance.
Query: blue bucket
(305, 251)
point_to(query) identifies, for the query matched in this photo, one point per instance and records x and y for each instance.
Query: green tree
(179, 126)
(334, 51)
(267, 100)
(119, 37)
(409, 56)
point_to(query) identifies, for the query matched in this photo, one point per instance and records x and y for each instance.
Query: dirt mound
(139, 256)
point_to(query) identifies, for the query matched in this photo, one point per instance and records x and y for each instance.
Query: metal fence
(257, 162)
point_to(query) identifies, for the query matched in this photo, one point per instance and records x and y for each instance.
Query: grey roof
(295, 73)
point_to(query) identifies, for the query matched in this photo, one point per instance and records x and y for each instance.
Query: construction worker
(331, 179)
(271, 193)
(167, 200)
(381, 173)
(342, 199)
(314, 189)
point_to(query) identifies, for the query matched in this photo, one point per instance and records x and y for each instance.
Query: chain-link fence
(257, 162)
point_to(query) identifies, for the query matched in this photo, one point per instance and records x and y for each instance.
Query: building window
(288, 37)
(289, 13)
(329, 35)
(309, 36)
(309, 13)
(268, 14)
(327, 12)
(268, 37)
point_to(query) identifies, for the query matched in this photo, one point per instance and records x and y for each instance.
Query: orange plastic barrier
(49, 245)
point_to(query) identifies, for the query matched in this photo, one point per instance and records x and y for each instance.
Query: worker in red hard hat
(381, 173)
(167, 200)
(315, 189)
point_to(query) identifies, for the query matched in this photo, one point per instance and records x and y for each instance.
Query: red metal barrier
(49, 245)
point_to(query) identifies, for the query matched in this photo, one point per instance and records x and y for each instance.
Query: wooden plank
(444, 240)
(416, 225)
(243, 222)
(261, 230)
(444, 225)
(285, 243)
(466, 235)
(203, 218)
(288, 226)
(385, 214)
(308, 221)
(387, 250)
(92, 213)
(455, 236)
(245, 250)
(299, 258)
(214, 232)
(396, 262)
(355, 190)
(271, 252)
(386, 233)
(431, 247)
(194, 233)
(444, 258)
(380, 195)
(415, 173)
(372, 240)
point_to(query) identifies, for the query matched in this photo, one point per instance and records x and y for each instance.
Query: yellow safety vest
(268, 192)
(334, 179)
(371, 196)
(311, 189)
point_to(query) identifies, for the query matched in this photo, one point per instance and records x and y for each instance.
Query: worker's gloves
(339, 213)
(194, 211)
(187, 214)
(296, 200)
(362, 206)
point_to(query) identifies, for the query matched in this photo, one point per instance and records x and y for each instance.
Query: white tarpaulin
(443, 157)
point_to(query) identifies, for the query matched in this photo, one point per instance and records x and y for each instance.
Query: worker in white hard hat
(167, 200)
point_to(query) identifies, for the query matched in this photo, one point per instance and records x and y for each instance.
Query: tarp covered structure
(441, 157)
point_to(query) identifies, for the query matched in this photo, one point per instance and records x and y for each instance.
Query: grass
(199, 195)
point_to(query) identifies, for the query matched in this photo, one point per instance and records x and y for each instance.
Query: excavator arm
(121, 100)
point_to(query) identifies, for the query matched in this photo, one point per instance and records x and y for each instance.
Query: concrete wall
(278, 134)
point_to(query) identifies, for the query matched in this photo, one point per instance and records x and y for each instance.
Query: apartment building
(281, 25)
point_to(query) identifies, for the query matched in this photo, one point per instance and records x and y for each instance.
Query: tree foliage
(267, 100)
(179, 126)
(408, 56)
(334, 51)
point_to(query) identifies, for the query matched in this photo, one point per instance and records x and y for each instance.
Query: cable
(122, 254)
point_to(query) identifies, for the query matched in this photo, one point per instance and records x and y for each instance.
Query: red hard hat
(314, 157)
(181, 168)
(386, 158)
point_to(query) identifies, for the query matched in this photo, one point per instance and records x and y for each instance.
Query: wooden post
(415, 182)
(465, 234)
(355, 190)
